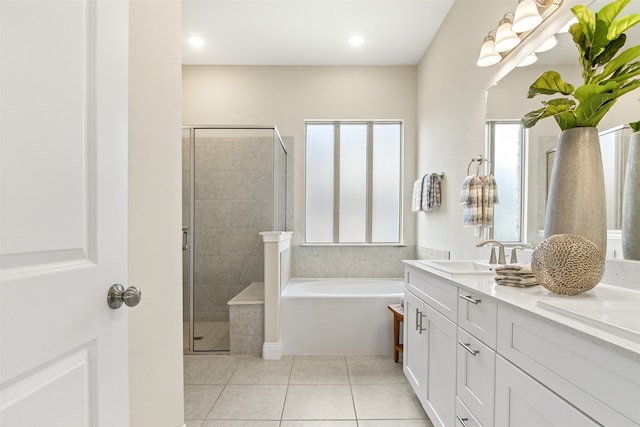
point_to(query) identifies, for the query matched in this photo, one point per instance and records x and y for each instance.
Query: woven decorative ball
(567, 264)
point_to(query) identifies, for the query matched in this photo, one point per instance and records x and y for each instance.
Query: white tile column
(275, 242)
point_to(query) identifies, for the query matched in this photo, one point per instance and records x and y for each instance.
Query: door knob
(118, 295)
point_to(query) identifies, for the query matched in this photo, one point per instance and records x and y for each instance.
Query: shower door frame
(192, 194)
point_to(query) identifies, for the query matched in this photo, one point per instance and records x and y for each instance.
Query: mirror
(508, 100)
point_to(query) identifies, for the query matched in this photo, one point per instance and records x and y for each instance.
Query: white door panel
(63, 189)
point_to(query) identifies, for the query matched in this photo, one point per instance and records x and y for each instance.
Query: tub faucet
(492, 258)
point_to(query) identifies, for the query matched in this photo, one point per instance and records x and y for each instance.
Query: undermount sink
(460, 267)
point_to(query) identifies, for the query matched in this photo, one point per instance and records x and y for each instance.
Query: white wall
(155, 256)
(286, 96)
(451, 116)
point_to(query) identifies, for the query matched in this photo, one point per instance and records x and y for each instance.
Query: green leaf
(628, 87)
(609, 12)
(593, 109)
(583, 93)
(566, 120)
(587, 21)
(618, 62)
(626, 72)
(549, 83)
(635, 126)
(623, 24)
(580, 41)
(551, 108)
(610, 51)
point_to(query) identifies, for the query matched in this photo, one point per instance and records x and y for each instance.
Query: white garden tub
(339, 316)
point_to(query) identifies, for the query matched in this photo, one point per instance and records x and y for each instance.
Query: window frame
(369, 184)
(490, 149)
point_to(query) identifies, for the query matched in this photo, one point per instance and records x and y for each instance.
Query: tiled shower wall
(233, 203)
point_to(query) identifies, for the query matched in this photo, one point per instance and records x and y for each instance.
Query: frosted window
(385, 220)
(353, 183)
(507, 159)
(320, 171)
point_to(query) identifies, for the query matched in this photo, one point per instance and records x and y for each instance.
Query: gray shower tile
(249, 402)
(244, 185)
(239, 241)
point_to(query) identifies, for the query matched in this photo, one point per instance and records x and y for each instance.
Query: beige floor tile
(208, 369)
(249, 402)
(386, 401)
(395, 423)
(258, 371)
(193, 423)
(319, 402)
(319, 423)
(317, 371)
(199, 400)
(240, 423)
(375, 370)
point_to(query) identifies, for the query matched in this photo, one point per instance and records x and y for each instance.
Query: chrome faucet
(513, 259)
(492, 258)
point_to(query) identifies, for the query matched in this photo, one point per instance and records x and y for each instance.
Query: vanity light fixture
(526, 17)
(548, 44)
(513, 29)
(506, 39)
(488, 56)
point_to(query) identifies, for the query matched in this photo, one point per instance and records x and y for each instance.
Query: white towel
(416, 203)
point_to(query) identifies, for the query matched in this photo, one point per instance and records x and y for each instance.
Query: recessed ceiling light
(356, 40)
(196, 41)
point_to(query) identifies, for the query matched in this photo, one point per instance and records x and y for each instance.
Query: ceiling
(310, 32)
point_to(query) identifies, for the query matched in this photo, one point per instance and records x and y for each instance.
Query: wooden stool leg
(396, 337)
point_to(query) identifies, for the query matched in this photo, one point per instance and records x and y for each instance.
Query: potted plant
(631, 198)
(576, 203)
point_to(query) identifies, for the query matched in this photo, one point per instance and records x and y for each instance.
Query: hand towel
(416, 203)
(431, 192)
(489, 199)
(471, 200)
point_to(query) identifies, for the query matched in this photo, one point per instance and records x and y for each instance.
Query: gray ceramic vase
(576, 203)
(631, 202)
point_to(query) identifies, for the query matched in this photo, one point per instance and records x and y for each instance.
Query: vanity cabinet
(430, 344)
(481, 356)
(475, 381)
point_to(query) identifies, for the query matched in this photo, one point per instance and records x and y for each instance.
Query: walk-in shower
(234, 186)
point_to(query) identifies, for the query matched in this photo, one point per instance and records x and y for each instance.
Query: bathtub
(339, 316)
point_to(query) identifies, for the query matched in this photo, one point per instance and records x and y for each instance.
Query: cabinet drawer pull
(422, 316)
(462, 421)
(417, 319)
(468, 348)
(470, 299)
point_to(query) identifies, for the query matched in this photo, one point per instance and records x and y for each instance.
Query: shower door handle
(117, 296)
(185, 238)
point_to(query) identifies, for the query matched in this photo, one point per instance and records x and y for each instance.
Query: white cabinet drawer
(476, 375)
(464, 417)
(521, 401)
(438, 292)
(603, 384)
(477, 314)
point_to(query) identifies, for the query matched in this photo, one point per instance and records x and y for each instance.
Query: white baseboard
(272, 350)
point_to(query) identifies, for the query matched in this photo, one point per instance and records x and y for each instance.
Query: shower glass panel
(234, 187)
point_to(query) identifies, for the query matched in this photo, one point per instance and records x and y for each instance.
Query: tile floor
(299, 391)
(212, 336)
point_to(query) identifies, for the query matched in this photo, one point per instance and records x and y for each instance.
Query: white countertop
(608, 315)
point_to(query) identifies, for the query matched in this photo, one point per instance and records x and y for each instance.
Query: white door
(63, 211)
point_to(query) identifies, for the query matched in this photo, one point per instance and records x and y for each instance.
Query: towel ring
(480, 159)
